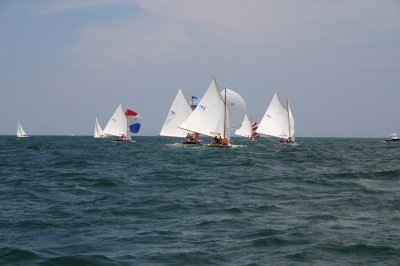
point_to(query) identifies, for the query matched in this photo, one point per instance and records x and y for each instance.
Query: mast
(224, 113)
(127, 126)
(288, 116)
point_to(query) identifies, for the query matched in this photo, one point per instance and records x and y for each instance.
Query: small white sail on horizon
(217, 112)
(180, 109)
(98, 131)
(245, 129)
(278, 120)
(20, 131)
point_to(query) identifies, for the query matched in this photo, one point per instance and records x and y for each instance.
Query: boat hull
(191, 142)
(289, 144)
(220, 145)
(392, 140)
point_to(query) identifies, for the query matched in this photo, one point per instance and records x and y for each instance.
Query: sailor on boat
(217, 139)
(189, 137)
(196, 137)
(123, 137)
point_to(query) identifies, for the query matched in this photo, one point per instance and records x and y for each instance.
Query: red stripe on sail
(130, 112)
(254, 134)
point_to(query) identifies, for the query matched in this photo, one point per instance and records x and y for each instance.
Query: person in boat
(225, 141)
(281, 140)
(123, 137)
(196, 136)
(188, 137)
(217, 139)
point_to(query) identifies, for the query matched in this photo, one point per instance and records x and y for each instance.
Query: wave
(16, 256)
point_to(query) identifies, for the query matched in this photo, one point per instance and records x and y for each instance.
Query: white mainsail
(118, 124)
(217, 112)
(20, 131)
(208, 117)
(98, 132)
(179, 111)
(278, 120)
(246, 129)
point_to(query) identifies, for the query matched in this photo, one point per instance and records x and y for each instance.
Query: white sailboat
(217, 113)
(178, 112)
(20, 131)
(278, 122)
(248, 129)
(98, 132)
(122, 124)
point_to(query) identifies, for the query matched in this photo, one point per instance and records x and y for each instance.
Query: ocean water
(81, 201)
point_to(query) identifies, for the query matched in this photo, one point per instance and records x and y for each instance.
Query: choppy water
(80, 201)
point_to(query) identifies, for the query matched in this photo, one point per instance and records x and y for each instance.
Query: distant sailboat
(393, 137)
(20, 131)
(179, 111)
(122, 124)
(217, 113)
(278, 122)
(98, 132)
(248, 129)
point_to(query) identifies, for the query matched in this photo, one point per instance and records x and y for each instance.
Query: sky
(63, 63)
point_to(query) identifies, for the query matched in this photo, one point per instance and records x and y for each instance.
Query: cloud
(56, 6)
(127, 41)
(256, 31)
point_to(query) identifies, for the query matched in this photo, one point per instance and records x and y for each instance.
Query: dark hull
(220, 145)
(392, 139)
(192, 142)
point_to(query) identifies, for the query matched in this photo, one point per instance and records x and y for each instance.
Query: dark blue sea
(85, 201)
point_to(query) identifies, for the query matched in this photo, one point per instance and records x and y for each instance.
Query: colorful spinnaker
(122, 123)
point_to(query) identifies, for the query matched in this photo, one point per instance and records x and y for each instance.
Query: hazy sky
(65, 62)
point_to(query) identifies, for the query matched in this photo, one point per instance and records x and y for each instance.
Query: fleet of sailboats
(20, 131)
(218, 114)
